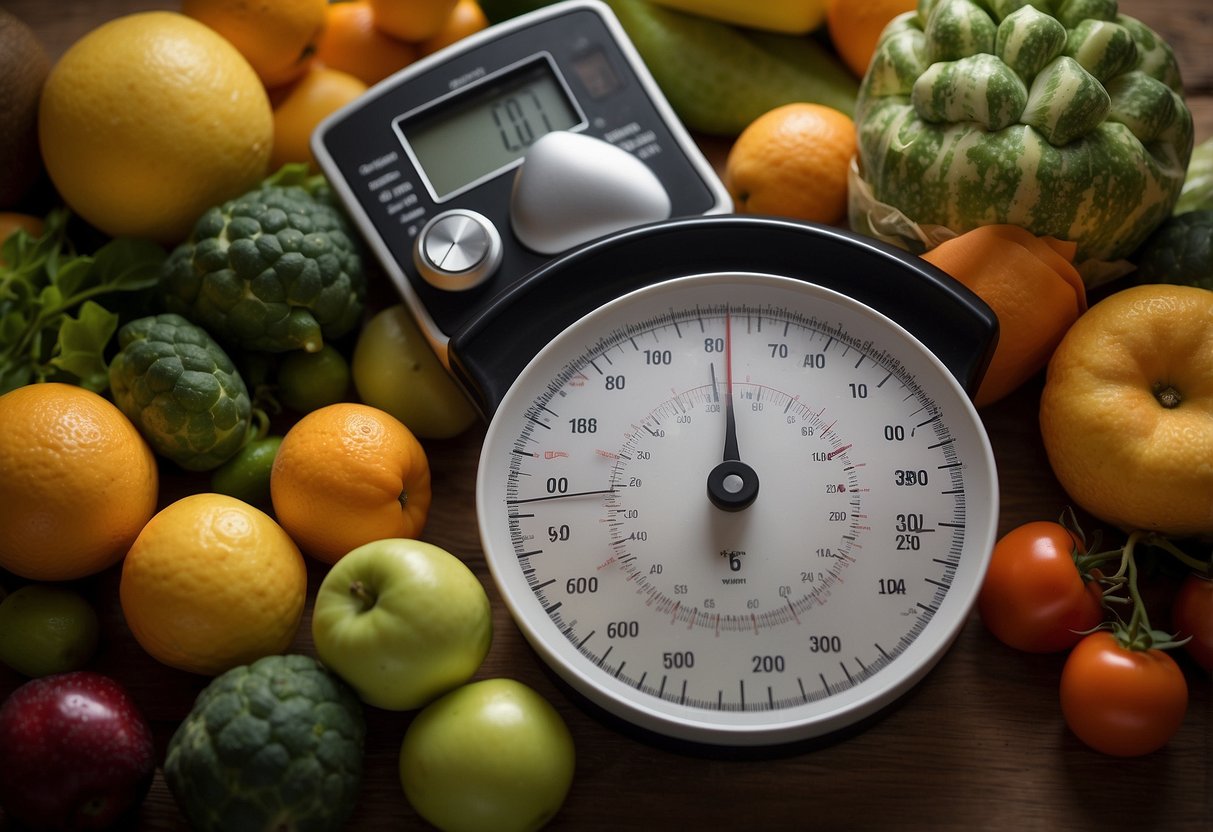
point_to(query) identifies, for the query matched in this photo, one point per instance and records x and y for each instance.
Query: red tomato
(1033, 597)
(1119, 701)
(1192, 615)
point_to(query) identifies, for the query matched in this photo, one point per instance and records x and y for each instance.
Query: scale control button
(457, 250)
(573, 188)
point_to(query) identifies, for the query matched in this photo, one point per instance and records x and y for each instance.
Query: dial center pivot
(732, 485)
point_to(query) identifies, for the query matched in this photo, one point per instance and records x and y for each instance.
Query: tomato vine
(1047, 590)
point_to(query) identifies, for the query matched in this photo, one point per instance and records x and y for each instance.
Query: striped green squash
(1061, 116)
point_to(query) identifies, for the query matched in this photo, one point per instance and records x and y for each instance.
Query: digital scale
(733, 488)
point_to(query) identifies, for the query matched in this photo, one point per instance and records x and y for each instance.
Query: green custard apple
(277, 744)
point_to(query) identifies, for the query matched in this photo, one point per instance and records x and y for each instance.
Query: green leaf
(292, 173)
(73, 276)
(12, 324)
(127, 264)
(50, 299)
(45, 283)
(80, 349)
(13, 374)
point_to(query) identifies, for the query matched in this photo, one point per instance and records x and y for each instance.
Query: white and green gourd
(1063, 117)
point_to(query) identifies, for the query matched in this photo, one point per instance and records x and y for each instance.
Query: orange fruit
(277, 38)
(348, 474)
(1126, 413)
(352, 44)
(411, 20)
(78, 483)
(212, 583)
(302, 106)
(465, 19)
(792, 161)
(1031, 285)
(11, 222)
(855, 27)
(148, 121)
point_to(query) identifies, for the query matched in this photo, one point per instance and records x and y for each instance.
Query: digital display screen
(473, 135)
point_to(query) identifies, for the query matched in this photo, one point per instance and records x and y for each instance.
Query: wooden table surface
(979, 744)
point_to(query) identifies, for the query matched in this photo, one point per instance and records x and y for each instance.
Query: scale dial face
(737, 509)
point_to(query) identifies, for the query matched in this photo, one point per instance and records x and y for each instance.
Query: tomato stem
(1140, 619)
(1199, 567)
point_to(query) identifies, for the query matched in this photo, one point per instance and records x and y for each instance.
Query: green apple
(395, 370)
(490, 755)
(47, 629)
(402, 621)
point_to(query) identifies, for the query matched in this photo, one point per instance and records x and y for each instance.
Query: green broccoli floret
(274, 270)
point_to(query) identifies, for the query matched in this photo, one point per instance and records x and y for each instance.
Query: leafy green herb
(57, 305)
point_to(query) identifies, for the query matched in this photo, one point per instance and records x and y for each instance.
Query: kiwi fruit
(24, 66)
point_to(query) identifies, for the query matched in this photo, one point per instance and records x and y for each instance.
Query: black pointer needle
(559, 496)
(730, 421)
(732, 485)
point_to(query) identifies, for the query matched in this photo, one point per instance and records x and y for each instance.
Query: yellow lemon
(149, 120)
(212, 583)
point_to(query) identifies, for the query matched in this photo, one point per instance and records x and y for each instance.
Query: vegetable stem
(1139, 621)
(1162, 542)
(359, 591)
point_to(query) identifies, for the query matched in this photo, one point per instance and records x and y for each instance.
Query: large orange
(78, 482)
(277, 38)
(212, 583)
(1127, 410)
(299, 107)
(792, 161)
(855, 27)
(465, 19)
(349, 474)
(412, 20)
(1033, 288)
(351, 43)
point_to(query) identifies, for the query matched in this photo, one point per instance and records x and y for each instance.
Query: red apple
(75, 751)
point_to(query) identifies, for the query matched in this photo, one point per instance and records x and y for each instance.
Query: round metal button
(457, 250)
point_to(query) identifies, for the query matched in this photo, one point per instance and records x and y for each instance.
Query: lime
(47, 629)
(246, 476)
(308, 381)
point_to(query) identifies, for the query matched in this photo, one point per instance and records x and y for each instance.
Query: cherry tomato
(1192, 615)
(1033, 597)
(1120, 701)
